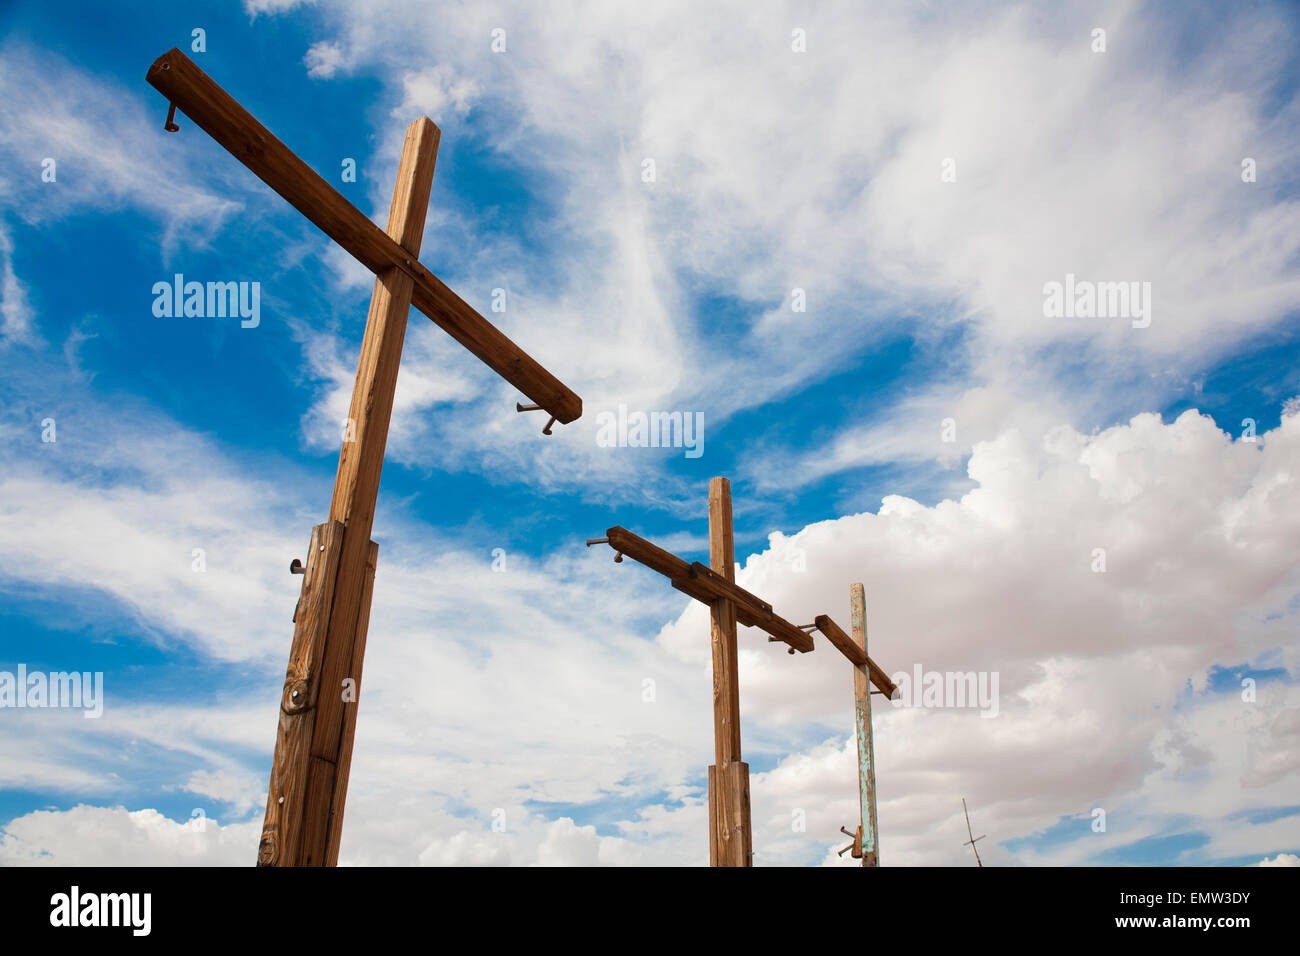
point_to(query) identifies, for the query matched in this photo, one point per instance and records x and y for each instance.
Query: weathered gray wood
(867, 832)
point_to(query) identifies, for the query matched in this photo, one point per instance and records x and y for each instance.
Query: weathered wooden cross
(730, 836)
(313, 747)
(864, 844)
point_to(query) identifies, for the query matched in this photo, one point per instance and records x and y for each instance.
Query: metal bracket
(618, 557)
(536, 408)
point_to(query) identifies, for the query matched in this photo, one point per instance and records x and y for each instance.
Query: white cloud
(114, 836)
(436, 92)
(1201, 572)
(570, 845)
(242, 791)
(15, 311)
(822, 171)
(143, 543)
(1282, 859)
(1094, 672)
(817, 170)
(109, 148)
(323, 59)
(272, 7)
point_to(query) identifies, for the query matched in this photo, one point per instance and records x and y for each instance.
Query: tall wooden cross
(313, 747)
(730, 835)
(864, 844)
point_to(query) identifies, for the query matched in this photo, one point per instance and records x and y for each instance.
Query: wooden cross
(864, 844)
(729, 819)
(313, 747)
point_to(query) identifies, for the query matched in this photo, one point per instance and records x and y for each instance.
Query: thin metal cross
(971, 833)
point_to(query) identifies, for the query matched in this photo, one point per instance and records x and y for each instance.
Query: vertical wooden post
(862, 721)
(309, 776)
(730, 838)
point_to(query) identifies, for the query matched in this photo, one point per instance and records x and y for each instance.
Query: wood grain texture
(731, 802)
(282, 828)
(722, 628)
(350, 709)
(214, 111)
(356, 488)
(719, 587)
(713, 815)
(311, 823)
(730, 839)
(303, 829)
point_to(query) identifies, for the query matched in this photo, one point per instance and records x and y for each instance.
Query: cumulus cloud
(1106, 698)
(1122, 582)
(1200, 573)
(1282, 859)
(115, 836)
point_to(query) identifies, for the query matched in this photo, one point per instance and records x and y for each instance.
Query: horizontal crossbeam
(704, 585)
(177, 77)
(850, 649)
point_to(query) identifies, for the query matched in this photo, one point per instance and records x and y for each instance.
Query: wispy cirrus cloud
(823, 171)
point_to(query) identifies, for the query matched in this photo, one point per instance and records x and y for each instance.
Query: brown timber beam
(850, 649)
(704, 585)
(211, 108)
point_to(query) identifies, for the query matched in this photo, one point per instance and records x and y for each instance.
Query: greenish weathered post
(862, 723)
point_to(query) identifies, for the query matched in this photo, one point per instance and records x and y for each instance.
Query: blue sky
(776, 170)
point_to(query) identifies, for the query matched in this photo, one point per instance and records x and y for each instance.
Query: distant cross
(313, 748)
(730, 834)
(971, 833)
(865, 672)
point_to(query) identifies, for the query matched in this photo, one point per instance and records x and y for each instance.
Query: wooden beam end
(424, 121)
(571, 406)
